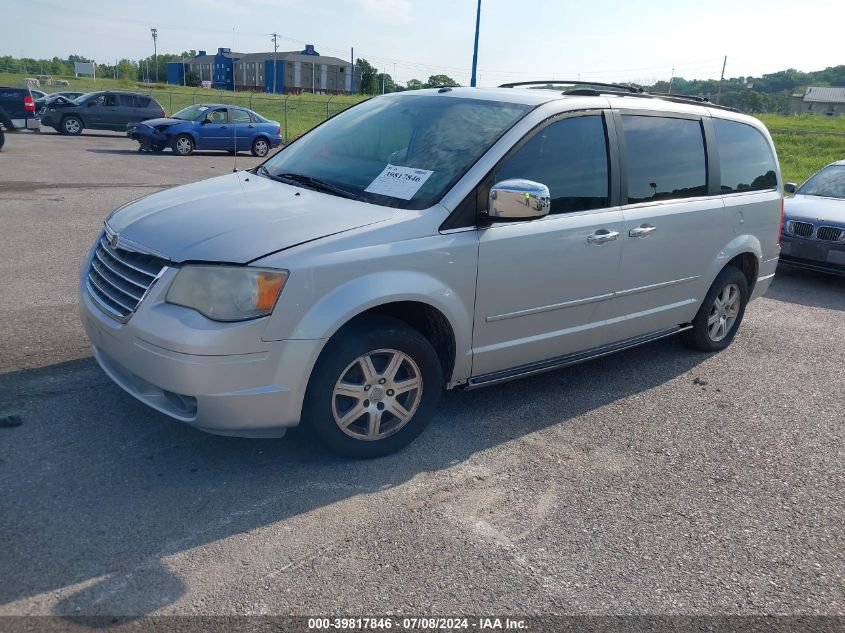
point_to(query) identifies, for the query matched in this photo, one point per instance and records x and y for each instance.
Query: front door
(215, 132)
(546, 285)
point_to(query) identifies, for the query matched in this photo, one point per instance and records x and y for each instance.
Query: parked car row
(201, 126)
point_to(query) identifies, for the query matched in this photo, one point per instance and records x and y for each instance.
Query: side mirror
(790, 187)
(518, 199)
(205, 121)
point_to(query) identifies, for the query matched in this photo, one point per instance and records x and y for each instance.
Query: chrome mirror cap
(518, 199)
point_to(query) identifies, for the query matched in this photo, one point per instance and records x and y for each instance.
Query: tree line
(767, 93)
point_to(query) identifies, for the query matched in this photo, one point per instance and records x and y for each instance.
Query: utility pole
(274, 36)
(352, 71)
(155, 50)
(472, 81)
(721, 79)
(671, 79)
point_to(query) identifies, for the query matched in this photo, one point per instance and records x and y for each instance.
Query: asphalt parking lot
(656, 481)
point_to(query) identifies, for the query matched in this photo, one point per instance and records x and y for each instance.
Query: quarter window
(569, 157)
(664, 157)
(745, 158)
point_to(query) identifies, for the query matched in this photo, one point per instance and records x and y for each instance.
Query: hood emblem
(113, 240)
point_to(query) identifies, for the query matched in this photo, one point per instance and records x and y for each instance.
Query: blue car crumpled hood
(236, 218)
(153, 123)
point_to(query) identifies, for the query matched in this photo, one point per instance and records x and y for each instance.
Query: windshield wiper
(311, 182)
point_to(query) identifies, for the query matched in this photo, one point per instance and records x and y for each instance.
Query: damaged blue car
(208, 127)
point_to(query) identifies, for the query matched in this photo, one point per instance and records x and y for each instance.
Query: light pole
(155, 49)
(475, 47)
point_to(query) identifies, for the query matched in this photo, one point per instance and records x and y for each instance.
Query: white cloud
(387, 11)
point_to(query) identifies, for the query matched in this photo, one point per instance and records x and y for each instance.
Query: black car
(103, 110)
(19, 107)
(813, 234)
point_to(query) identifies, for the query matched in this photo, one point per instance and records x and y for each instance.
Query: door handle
(603, 235)
(642, 231)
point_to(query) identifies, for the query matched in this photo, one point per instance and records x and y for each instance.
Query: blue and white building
(283, 72)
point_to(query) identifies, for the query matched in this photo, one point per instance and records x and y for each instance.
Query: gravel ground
(656, 481)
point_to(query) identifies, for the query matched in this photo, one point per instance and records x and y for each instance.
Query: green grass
(801, 155)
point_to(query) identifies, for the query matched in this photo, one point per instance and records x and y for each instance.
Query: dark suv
(19, 107)
(105, 110)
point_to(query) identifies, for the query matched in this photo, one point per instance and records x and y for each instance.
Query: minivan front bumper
(219, 377)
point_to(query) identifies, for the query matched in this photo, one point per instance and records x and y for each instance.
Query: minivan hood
(815, 209)
(236, 218)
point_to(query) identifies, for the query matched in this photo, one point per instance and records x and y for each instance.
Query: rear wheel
(260, 147)
(71, 125)
(374, 388)
(718, 319)
(183, 145)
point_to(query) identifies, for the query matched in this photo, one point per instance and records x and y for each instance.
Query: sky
(612, 40)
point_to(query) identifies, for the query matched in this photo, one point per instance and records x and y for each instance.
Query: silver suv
(449, 238)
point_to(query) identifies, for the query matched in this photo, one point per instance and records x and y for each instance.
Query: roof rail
(572, 82)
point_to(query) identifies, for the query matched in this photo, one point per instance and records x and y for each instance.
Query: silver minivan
(444, 238)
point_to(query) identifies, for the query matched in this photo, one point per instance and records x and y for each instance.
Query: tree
(440, 80)
(368, 84)
(414, 84)
(192, 79)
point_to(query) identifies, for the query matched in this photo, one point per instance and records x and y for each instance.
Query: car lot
(659, 480)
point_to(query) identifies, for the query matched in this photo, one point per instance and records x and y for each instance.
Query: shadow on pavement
(808, 288)
(98, 489)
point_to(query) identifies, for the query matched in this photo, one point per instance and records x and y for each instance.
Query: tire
(183, 145)
(71, 126)
(720, 315)
(381, 340)
(2, 138)
(158, 148)
(260, 147)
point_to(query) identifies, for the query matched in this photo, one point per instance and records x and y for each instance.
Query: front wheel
(260, 147)
(183, 145)
(717, 321)
(373, 389)
(71, 125)
(157, 147)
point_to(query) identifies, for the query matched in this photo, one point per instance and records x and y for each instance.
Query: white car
(438, 238)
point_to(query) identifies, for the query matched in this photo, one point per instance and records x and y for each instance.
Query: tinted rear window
(143, 102)
(745, 158)
(665, 158)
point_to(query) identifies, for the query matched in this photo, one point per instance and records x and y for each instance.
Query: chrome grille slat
(830, 233)
(110, 296)
(118, 279)
(102, 256)
(124, 259)
(801, 229)
(134, 294)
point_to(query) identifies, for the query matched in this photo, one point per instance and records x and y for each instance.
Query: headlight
(227, 293)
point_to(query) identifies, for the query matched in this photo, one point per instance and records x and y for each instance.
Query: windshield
(829, 182)
(398, 151)
(190, 113)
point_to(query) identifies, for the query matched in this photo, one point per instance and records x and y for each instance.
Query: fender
(745, 243)
(338, 307)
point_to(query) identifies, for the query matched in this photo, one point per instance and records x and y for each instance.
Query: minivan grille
(830, 233)
(118, 279)
(801, 229)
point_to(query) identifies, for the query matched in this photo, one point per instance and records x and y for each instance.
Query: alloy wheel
(377, 394)
(723, 313)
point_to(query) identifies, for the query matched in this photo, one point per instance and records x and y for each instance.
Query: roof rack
(625, 87)
(622, 90)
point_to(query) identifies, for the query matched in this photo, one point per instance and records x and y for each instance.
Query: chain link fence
(295, 114)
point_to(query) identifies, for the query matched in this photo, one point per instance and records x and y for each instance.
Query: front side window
(429, 142)
(664, 158)
(569, 157)
(828, 183)
(746, 161)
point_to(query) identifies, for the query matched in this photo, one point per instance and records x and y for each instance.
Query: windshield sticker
(203, 108)
(399, 182)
